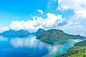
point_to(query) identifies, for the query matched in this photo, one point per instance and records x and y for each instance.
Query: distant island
(47, 36)
(57, 35)
(79, 50)
(52, 36)
(21, 33)
(12, 33)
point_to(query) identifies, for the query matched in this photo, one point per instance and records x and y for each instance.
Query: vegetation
(82, 43)
(78, 51)
(58, 35)
(39, 32)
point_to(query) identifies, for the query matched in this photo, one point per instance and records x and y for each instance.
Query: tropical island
(12, 33)
(79, 50)
(39, 32)
(55, 35)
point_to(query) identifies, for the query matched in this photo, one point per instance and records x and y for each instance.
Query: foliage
(39, 32)
(58, 35)
(78, 51)
(82, 43)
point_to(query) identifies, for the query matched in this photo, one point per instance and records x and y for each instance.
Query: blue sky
(19, 10)
(65, 15)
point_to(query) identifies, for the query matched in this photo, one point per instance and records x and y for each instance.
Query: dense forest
(79, 50)
(58, 35)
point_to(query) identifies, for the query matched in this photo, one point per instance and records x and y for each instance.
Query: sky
(66, 15)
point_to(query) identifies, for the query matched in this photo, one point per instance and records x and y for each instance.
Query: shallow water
(31, 47)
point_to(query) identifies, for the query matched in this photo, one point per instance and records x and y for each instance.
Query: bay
(31, 47)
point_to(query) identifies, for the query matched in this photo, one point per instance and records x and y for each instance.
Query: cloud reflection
(3, 39)
(55, 50)
(30, 42)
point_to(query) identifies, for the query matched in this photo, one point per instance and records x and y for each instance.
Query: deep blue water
(31, 47)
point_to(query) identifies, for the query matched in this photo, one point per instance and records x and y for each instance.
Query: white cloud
(40, 11)
(51, 21)
(71, 4)
(30, 24)
(77, 21)
(2, 29)
(79, 18)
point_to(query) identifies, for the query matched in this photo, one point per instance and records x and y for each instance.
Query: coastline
(63, 48)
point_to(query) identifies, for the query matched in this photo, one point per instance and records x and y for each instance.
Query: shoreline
(54, 51)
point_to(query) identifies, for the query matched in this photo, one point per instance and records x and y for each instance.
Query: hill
(13, 33)
(58, 35)
(78, 51)
(39, 32)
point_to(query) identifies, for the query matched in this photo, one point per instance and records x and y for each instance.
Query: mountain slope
(78, 51)
(39, 32)
(58, 35)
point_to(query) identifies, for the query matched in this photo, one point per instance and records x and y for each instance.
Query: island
(12, 33)
(55, 35)
(79, 50)
(39, 32)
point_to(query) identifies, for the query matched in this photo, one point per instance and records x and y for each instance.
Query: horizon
(68, 16)
(45, 30)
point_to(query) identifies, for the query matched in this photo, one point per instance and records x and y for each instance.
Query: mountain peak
(40, 30)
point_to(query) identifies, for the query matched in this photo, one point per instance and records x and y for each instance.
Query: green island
(79, 50)
(12, 33)
(54, 35)
(39, 32)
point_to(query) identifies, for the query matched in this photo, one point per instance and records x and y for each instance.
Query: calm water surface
(31, 47)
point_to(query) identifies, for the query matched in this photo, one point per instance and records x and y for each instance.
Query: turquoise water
(31, 47)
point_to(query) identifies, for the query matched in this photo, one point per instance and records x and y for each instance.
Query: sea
(32, 47)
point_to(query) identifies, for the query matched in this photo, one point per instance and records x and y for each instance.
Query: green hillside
(58, 35)
(78, 51)
(39, 32)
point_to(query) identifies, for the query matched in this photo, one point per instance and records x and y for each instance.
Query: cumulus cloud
(71, 4)
(51, 21)
(79, 7)
(40, 11)
(77, 21)
(3, 29)
(30, 24)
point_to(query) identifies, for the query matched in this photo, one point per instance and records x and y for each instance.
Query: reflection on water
(30, 42)
(31, 47)
(3, 39)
